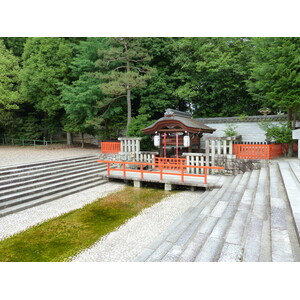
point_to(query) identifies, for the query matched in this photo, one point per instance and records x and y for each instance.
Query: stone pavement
(252, 218)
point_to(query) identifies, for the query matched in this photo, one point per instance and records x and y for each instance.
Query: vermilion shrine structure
(177, 132)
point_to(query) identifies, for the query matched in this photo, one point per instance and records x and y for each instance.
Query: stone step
(39, 164)
(32, 184)
(255, 225)
(292, 188)
(295, 166)
(176, 236)
(4, 179)
(281, 242)
(233, 245)
(39, 178)
(55, 189)
(222, 215)
(150, 249)
(33, 189)
(47, 198)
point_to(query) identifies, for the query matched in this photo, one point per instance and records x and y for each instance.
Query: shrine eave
(190, 125)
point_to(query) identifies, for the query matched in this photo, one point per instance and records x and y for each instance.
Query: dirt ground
(15, 155)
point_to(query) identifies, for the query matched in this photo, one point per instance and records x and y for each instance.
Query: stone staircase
(251, 218)
(28, 185)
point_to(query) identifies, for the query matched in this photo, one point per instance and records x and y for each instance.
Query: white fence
(130, 145)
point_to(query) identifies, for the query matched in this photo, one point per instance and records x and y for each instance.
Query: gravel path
(22, 220)
(13, 155)
(131, 238)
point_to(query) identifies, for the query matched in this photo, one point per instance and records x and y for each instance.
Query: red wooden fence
(110, 147)
(169, 163)
(250, 151)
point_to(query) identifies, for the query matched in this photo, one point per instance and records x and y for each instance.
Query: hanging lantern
(156, 140)
(186, 141)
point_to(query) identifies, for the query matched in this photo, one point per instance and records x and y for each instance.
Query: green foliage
(278, 133)
(137, 124)
(9, 85)
(212, 72)
(81, 98)
(230, 130)
(123, 68)
(45, 67)
(275, 78)
(15, 44)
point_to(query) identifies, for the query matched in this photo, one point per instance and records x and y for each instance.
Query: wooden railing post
(205, 176)
(182, 174)
(108, 169)
(142, 174)
(124, 169)
(160, 172)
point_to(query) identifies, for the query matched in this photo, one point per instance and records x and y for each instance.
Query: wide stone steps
(248, 219)
(22, 187)
(290, 172)
(42, 171)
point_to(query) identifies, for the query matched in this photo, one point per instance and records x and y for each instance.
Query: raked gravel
(14, 223)
(125, 243)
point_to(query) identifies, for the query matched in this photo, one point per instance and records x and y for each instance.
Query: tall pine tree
(123, 68)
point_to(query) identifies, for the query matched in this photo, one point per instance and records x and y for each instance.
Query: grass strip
(62, 237)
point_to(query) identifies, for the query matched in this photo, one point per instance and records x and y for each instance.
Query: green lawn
(60, 238)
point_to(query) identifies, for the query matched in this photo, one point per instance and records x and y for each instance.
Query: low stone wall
(234, 166)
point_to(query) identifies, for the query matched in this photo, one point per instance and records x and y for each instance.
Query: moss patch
(60, 238)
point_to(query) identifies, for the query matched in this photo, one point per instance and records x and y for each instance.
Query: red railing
(250, 151)
(169, 163)
(142, 171)
(110, 147)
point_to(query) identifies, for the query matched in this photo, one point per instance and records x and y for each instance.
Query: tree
(275, 78)
(15, 44)
(212, 72)
(45, 67)
(82, 99)
(123, 69)
(9, 85)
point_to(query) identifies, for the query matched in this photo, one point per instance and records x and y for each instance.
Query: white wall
(250, 131)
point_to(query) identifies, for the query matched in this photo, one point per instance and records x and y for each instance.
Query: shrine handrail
(159, 166)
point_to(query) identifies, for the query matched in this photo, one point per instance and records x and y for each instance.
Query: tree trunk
(128, 90)
(69, 138)
(128, 109)
(290, 121)
(82, 139)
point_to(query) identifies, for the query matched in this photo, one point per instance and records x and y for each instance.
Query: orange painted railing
(110, 147)
(169, 163)
(250, 151)
(142, 171)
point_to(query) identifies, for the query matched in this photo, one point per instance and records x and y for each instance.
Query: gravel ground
(121, 245)
(22, 220)
(13, 155)
(125, 243)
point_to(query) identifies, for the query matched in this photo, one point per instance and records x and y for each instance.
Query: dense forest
(112, 86)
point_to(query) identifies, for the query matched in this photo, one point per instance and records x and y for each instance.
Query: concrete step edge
(33, 191)
(54, 175)
(56, 166)
(35, 196)
(45, 162)
(45, 172)
(29, 186)
(47, 199)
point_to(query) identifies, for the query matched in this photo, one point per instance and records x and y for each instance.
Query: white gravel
(125, 243)
(14, 223)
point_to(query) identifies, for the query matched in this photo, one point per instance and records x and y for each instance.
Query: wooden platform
(214, 181)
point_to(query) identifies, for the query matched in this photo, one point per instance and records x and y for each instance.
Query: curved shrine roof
(181, 119)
